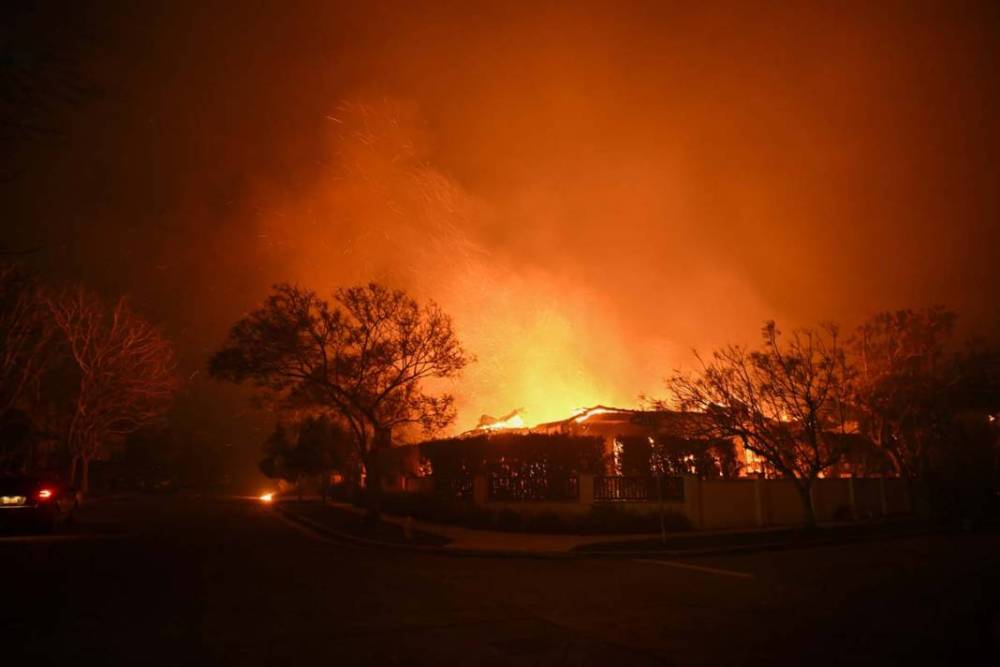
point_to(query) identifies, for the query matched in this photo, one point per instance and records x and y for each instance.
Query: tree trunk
(927, 486)
(85, 474)
(382, 440)
(72, 471)
(805, 494)
(373, 486)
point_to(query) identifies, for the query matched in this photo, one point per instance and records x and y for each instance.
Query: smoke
(591, 189)
(545, 338)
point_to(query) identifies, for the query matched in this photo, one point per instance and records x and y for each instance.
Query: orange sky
(592, 189)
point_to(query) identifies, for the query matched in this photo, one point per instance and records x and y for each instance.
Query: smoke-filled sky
(591, 189)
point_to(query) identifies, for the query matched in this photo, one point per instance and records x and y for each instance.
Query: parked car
(30, 502)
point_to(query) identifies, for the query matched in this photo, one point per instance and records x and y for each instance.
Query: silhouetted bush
(400, 460)
(436, 509)
(617, 519)
(508, 519)
(345, 493)
(600, 519)
(548, 522)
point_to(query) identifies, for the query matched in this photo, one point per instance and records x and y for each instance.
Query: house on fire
(637, 442)
(639, 460)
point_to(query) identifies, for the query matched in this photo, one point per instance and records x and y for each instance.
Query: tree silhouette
(366, 357)
(917, 391)
(903, 364)
(786, 403)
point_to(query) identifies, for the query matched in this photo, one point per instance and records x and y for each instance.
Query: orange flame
(513, 422)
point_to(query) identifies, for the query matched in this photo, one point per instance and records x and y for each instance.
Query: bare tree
(786, 403)
(367, 357)
(125, 368)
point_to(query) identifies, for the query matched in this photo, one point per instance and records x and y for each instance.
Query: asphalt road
(181, 581)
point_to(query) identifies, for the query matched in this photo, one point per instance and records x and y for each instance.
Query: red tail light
(45, 493)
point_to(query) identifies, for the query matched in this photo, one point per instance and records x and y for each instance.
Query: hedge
(601, 519)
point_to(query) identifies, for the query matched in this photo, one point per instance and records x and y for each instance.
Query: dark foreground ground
(178, 581)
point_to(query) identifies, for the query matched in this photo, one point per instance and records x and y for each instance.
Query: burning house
(640, 442)
(512, 422)
(640, 461)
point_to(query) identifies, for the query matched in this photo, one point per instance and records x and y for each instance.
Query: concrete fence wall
(780, 502)
(744, 503)
(717, 504)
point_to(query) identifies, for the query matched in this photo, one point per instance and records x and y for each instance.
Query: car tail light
(45, 493)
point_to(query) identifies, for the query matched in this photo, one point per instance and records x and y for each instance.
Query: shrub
(607, 518)
(616, 519)
(408, 504)
(345, 492)
(508, 519)
(439, 510)
(546, 522)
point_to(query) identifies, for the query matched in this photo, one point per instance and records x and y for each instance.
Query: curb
(596, 554)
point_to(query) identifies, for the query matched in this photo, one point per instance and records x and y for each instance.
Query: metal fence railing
(619, 488)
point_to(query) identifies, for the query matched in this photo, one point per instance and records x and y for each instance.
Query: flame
(487, 424)
(544, 338)
(513, 422)
(266, 497)
(586, 413)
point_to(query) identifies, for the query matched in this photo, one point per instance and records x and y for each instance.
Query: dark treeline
(900, 395)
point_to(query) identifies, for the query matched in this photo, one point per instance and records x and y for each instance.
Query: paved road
(176, 581)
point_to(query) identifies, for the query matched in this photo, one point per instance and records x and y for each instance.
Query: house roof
(600, 417)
